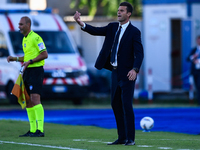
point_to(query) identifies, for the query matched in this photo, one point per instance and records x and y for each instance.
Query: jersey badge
(41, 46)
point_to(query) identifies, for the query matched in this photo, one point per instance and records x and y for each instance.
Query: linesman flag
(20, 92)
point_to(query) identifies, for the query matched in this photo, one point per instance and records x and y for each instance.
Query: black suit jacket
(193, 69)
(130, 51)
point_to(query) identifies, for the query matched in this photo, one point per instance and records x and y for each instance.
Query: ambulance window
(56, 42)
(16, 40)
(3, 46)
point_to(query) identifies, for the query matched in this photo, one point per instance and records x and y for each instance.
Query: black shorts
(33, 80)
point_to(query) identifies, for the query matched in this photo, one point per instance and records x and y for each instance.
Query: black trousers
(121, 101)
(196, 77)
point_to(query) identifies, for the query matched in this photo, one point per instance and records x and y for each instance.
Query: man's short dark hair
(27, 20)
(128, 5)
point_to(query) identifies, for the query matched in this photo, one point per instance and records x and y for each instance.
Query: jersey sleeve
(40, 44)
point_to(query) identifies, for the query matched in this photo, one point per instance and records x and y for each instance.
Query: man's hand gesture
(77, 18)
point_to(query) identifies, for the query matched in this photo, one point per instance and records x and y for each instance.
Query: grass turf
(88, 137)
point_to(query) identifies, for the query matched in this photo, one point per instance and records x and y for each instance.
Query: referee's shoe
(38, 133)
(26, 134)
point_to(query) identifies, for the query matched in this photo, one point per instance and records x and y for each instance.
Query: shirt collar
(29, 33)
(124, 26)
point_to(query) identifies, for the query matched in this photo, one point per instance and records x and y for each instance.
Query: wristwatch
(136, 70)
(31, 61)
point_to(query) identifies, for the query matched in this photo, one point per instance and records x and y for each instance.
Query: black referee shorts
(33, 80)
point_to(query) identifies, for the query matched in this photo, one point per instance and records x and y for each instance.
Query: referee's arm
(20, 59)
(43, 55)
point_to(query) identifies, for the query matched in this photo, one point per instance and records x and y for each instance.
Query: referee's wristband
(31, 61)
(17, 59)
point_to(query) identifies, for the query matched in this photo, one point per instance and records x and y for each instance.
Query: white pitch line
(172, 139)
(164, 148)
(79, 140)
(144, 146)
(183, 149)
(39, 145)
(93, 141)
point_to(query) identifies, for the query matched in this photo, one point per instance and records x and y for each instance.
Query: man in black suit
(122, 53)
(194, 58)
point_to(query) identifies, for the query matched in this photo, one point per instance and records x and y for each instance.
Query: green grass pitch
(88, 137)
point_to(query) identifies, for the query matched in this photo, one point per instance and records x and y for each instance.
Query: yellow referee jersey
(33, 45)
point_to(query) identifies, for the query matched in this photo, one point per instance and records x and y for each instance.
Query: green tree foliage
(110, 6)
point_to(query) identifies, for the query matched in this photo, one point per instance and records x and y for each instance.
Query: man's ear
(129, 14)
(29, 24)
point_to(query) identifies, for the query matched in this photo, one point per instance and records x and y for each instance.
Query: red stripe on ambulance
(44, 80)
(59, 26)
(54, 81)
(64, 81)
(10, 23)
(81, 62)
(74, 81)
(83, 80)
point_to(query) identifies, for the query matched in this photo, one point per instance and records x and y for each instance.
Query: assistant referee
(33, 61)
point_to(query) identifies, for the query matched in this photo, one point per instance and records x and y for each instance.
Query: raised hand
(78, 19)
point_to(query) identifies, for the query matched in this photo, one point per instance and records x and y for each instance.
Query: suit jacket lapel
(126, 33)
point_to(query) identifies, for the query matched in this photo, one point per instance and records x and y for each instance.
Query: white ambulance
(65, 71)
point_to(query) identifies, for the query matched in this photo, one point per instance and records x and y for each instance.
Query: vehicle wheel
(12, 98)
(77, 101)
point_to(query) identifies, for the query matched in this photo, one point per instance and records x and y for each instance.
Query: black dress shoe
(26, 134)
(129, 142)
(117, 142)
(38, 133)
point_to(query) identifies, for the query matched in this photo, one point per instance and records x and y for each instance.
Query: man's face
(23, 27)
(122, 14)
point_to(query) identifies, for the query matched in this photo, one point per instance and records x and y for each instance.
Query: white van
(65, 71)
